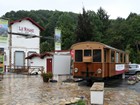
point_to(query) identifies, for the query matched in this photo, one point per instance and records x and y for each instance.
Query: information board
(1, 63)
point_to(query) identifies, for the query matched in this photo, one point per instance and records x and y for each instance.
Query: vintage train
(97, 60)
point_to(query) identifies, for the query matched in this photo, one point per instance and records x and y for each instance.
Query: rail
(26, 69)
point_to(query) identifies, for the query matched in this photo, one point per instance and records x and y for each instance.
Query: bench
(97, 93)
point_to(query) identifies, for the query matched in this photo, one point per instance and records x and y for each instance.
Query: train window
(127, 58)
(117, 57)
(121, 57)
(105, 55)
(87, 52)
(112, 56)
(96, 55)
(124, 58)
(78, 55)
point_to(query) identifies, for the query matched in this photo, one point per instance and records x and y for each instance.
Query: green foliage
(121, 33)
(46, 46)
(84, 29)
(103, 25)
(47, 75)
(80, 102)
(67, 24)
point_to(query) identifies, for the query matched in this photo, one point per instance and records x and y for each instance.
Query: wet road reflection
(31, 90)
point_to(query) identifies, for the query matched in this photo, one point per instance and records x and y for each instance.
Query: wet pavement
(31, 90)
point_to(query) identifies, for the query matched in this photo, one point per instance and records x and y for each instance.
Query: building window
(96, 55)
(19, 59)
(78, 55)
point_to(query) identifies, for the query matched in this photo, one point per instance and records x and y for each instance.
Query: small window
(87, 52)
(105, 55)
(124, 58)
(78, 55)
(117, 57)
(96, 55)
(127, 58)
(133, 66)
(121, 57)
(112, 56)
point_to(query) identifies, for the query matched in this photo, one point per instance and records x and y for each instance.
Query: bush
(46, 76)
(80, 102)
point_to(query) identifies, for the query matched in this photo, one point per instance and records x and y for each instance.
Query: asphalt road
(116, 83)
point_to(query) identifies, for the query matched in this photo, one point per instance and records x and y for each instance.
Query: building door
(49, 65)
(19, 58)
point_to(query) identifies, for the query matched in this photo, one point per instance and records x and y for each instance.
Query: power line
(30, 35)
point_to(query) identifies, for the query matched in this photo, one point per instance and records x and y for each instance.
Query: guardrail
(26, 69)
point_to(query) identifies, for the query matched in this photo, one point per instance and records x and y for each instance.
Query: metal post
(10, 48)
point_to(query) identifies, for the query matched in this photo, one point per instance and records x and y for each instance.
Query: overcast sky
(114, 8)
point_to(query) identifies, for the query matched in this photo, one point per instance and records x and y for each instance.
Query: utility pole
(10, 48)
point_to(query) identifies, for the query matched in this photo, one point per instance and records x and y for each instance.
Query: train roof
(97, 43)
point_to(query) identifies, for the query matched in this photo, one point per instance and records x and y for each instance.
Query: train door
(106, 62)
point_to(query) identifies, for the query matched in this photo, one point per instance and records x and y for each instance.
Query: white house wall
(21, 41)
(26, 51)
(37, 61)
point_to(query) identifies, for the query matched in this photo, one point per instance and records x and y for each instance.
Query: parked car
(134, 69)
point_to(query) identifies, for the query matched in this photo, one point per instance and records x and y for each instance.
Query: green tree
(84, 30)
(133, 21)
(67, 24)
(96, 25)
(103, 24)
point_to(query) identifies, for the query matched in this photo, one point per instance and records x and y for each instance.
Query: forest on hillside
(120, 33)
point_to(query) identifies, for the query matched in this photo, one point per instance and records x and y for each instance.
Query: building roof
(95, 43)
(31, 20)
(45, 54)
(38, 55)
(32, 55)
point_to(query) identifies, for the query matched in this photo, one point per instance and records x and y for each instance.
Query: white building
(58, 63)
(18, 47)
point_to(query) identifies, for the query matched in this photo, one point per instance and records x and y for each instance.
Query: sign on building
(57, 39)
(3, 30)
(1, 60)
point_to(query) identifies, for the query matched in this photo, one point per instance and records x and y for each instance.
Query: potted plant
(46, 76)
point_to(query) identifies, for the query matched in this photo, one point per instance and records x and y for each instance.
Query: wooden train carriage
(97, 60)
